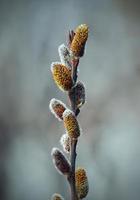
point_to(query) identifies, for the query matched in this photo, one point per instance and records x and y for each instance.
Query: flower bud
(71, 124)
(81, 182)
(62, 76)
(64, 55)
(60, 162)
(57, 196)
(57, 107)
(79, 40)
(65, 142)
(79, 92)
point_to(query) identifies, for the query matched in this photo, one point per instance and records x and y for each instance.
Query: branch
(73, 153)
(71, 177)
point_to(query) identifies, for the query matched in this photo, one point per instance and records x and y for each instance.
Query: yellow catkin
(79, 40)
(62, 76)
(57, 196)
(81, 180)
(71, 124)
(57, 107)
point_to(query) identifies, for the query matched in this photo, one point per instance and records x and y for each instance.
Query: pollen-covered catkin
(62, 76)
(79, 92)
(71, 124)
(64, 55)
(65, 142)
(82, 185)
(57, 196)
(79, 40)
(57, 107)
(60, 161)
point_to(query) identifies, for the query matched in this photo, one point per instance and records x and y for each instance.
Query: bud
(62, 76)
(57, 108)
(57, 196)
(64, 55)
(71, 124)
(60, 162)
(81, 182)
(79, 92)
(79, 40)
(65, 142)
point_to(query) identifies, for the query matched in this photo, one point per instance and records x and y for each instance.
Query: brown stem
(72, 97)
(71, 177)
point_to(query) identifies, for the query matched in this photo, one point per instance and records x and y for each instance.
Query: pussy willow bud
(62, 76)
(65, 142)
(82, 185)
(57, 107)
(64, 55)
(79, 40)
(71, 124)
(79, 92)
(57, 197)
(60, 162)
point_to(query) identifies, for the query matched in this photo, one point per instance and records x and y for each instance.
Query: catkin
(79, 40)
(62, 76)
(82, 185)
(71, 124)
(60, 161)
(57, 107)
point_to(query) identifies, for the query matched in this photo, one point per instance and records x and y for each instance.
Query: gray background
(30, 32)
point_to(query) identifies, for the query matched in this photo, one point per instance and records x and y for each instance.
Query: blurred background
(109, 149)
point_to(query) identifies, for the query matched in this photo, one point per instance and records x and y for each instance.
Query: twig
(73, 153)
(71, 178)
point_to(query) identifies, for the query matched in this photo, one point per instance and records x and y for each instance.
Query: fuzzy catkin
(81, 181)
(60, 161)
(65, 142)
(79, 91)
(57, 196)
(64, 55)
(62, 76)
(79, 40)
(57, 107)
(71, 124)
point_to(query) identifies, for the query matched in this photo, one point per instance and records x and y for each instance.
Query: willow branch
(73, 153)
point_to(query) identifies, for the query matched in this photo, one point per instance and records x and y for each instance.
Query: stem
(71, 178)
(73, 154)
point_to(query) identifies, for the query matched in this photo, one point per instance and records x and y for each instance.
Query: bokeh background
(109, 148)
